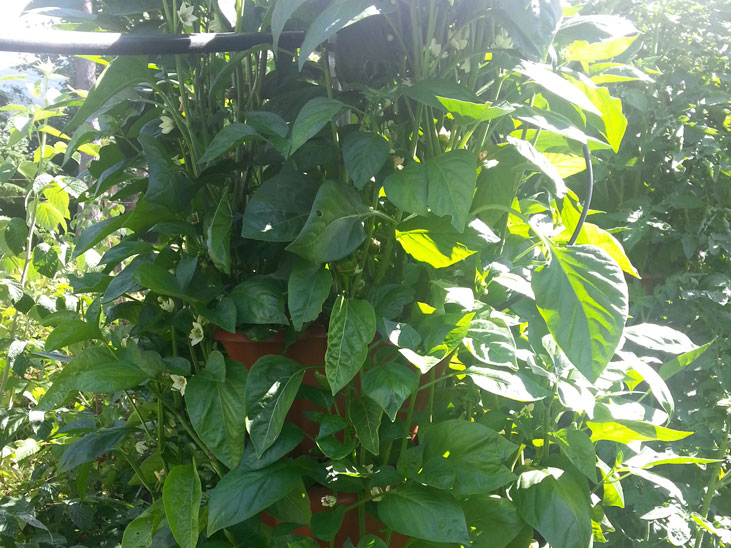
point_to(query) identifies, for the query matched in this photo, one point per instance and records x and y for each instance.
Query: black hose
(109, 43)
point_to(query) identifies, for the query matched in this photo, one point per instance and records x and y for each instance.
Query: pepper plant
(416, 178)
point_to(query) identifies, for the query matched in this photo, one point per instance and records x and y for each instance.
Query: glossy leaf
(308, 288)
(278, 209)
(312, 118)
(283, 10)
(270, 391)
(389, 385)
(514, 386)
(242, 494)
(407, 188)
(495, 521)
(45, 260)
(491, 341)
(627, 431)
(364, 155)
(92, 446)
(531, 25)
(71, 332)
(677, 364)
(553, 503)
(181, 496)
(259, 300)
(138, 533)
(659, 338)
(218, 239)
(578, 448)
(424, 513)
(615, 123)
(529, 152)
(558, 85)
(481, 112)
(326, 524)
(216, 408)
(352, 328)
(451, 180)
(226, 139)
(582, 296)
(434, 240)
(365, 416)
(334, 228)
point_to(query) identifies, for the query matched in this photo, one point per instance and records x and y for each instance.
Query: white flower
(376, 491)
(329, 501)
(159, 475)
(179, 383)
(435, 48)
(168, 305)
(196, 334)
(140, 447)
(185, 14)
(458, 44)
(466, 65)
(166, 124)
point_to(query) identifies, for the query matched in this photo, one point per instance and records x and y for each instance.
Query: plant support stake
(110, 43)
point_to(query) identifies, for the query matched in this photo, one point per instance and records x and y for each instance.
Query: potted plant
(389, 198)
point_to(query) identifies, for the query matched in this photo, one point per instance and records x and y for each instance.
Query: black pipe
(107, 43)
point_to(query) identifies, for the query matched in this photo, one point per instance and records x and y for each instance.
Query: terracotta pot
(350, 528)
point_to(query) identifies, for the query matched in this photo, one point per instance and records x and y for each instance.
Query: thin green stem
(139, 415)
(139, 473)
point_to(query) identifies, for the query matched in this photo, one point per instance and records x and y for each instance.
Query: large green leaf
(244, 493)
(424, 513)
(365, 416)
(514, 386)
(270, 391)
(311, 119)
(535, 158)
(494, 522)
(333, 18)
(158, 279)
(334, 227)
(615, 123)
(122, 73)
(471, 452)
(531, 25)
(71, 332)
(218, 239)
(582, 296)
(259, 300)
(168, 185)
(97, 232)
(92, 446)
(138, 533)
(216, 408)
(556, 84)
(308, 288)
(491, 341)
(364, 155)
(94, 369)
(407, 188)
(16, 235)
(352, 328)
(556, 505)
(226, 139)
(278, 209)
(451, 185)
(481, 112)
(283, 10)
(677, 364)
(45, 260)
(181, 496)
(389, 385)
(577, 447)
(627, 431)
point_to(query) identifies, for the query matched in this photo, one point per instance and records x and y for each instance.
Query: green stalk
(137, 471)
(713, 483)
(139, 416)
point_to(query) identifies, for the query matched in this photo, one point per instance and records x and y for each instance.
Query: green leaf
(491, 341)
(45, 260)
(553, 503)
(181, 496)
(242, 494)
(259, 300)
(433, 240)
(218, 239)
(365, 416)
(551, 121)
(424, 513)
(94, 369)
(452, 177)
(283, 10)
(531, 25)
(85, 133)
(279, 208)
(407, 188)
(270, 391)
(123, 250)
(495, 521)
(529, 152)
(371, 541)
(613, 494)
(585, 52)
(48, 217)
(472, 451)
(582, 296)
(226, 139)
(389, 385)
(593, 235)
(557, 85)
(217, 409)
(92, 446)
(71, 332)
(308, 288)
(627, 431)
(431, 93)
(654, 381)
(312, 118)
(577, 447)
(326, 524)
(334, 17)
(514, 386)
(364, 155)
(352, 328)
(158, 279)
(677, 364)
(97, 232)
(610, 107)
(138, 533)
(122, 73)
(334, 228)
(168, 185)
(294, 508)
(223, 315)
(480, 112)
(16, 235)
(659, 338)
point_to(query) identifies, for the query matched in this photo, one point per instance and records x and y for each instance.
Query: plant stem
(713, 483)
(139, 416)
(137, 471)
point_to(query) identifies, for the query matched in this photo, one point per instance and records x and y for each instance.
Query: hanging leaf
(491, 341)
(226, 139)
(352, 328)
(45, 260)
(531, 25)
(270, 391)
(364, 155)
(311, 119)
(334, 228)
(407, 188)
(627, 431)
(514, 386)
(365, 416)
(259, 300)
(218, 240)
(451, 185)
(481, 112)
(138, 533)
(92, 446)
(389, 385)
(283, 10)
(579, 449)
(308, 288)
(216, 407)
(70, 332)
(528, 151)
(582, 296)
(181, 496)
